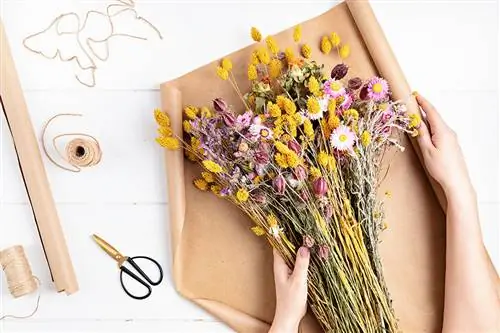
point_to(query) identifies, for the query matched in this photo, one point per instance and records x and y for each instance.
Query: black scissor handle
(146, 283)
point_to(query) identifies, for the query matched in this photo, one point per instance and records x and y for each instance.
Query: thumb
(301, 264)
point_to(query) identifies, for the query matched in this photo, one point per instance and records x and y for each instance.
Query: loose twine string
(81, 152)
(20, 278)
(123, 5)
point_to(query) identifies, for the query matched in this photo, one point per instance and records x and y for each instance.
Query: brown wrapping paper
(33, 172)
(220, 265)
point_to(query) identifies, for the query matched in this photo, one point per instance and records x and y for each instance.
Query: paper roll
(33, 172)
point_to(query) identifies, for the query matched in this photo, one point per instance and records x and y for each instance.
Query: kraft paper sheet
(33, 172)
(220, 265)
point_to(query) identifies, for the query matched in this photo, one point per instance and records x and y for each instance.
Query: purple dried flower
(363, 94)
(225, 191)
(300, 173)
(323, 252)
(229, 118)
(339, 71)
(354, 83)
(279, 184)
(295, 146)
(220, 105)
(243, 121)
(261, 156)
(320, 187)
(308, 241)
(259, 198)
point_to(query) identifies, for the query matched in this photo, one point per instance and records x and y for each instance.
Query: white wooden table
(447, 49)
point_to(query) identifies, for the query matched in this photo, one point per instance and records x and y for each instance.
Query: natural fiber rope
(20, 278)
(82, 152)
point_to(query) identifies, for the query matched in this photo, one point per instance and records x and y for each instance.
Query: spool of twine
(19, 276)
(83, 153)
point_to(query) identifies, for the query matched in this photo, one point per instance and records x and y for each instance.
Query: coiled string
(81, 152)
(20, 278)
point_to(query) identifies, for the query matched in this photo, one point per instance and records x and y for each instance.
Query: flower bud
(354, 83)
(243, 147)
(294, 146)
(229, 118)
(279, 184)
(300, 173)
(220, 105)
(363, 94)
(323, 252)
(261, 157)
(320, 187)
(328, 211)
(259, 198)
(308, 241)
(339, 71)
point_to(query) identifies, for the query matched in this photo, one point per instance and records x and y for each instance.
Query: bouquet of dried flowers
(303, 161)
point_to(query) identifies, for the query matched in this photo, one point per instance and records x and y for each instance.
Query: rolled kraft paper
(219, 264)
(33, 173)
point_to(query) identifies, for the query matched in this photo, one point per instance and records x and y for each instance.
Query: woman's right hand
(442, 154)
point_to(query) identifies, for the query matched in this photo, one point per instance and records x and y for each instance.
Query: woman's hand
(291, 292)
(443, 157)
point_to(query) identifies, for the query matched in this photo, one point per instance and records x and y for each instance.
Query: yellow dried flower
(415, 120)
(289, 106)
(191, 111)
(168, 142)
(205, 112)
(257, 179)
(187, 126)
(195, 143)
(366, 138)
(212, 166)
(292, 129)
(331, 163)
(272, 220)
(345, 51)
(326, 45)
(281, 160)
(308, 129)
(161, 118)
(297, 33)
(289, 54)
(353, 113)
(280, 100)
(323, 158)
(286, 137)
(297, 118)
(252, 72)
(272, 45)
(258, 230)
(227, 64)
(335, 39)
(332, 106)
(306, 51)
(333, 121)
(201, 184)
(254, 60)
(275, 68)
(273, 109)
(190, 155)
(208, 176)
(263, 55)
(256, 35)
(313, 86)
(326, 129)
(165, 131)
(388, 194)
(313, 105)
(222, 73)
(314, 172)
(242, 195)
(292, 159)
(282, 148)
(215, 189)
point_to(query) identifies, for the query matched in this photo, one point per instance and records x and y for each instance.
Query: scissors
(121, 259)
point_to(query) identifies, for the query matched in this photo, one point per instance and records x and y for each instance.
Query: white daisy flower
(343, 138)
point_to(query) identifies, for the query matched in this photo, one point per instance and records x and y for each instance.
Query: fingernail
(303, 251)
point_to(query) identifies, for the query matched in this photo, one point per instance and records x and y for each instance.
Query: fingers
(424, 137)
(301, 264)
(281, 271)
(434, 119)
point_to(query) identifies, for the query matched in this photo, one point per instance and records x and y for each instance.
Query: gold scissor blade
(111, 251)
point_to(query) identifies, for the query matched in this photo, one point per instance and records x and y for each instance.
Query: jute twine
(81, 152)
(20, 278)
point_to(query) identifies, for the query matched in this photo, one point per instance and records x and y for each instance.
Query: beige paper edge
(33, 172)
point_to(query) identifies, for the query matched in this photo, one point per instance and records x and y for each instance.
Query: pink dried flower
(259, 198)
(295, 146)
(333, 88)
(323, 252)
(300, 173)
(220, 105)
(308, 241)
(320, 187)
(279, 184)
(378, 89)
